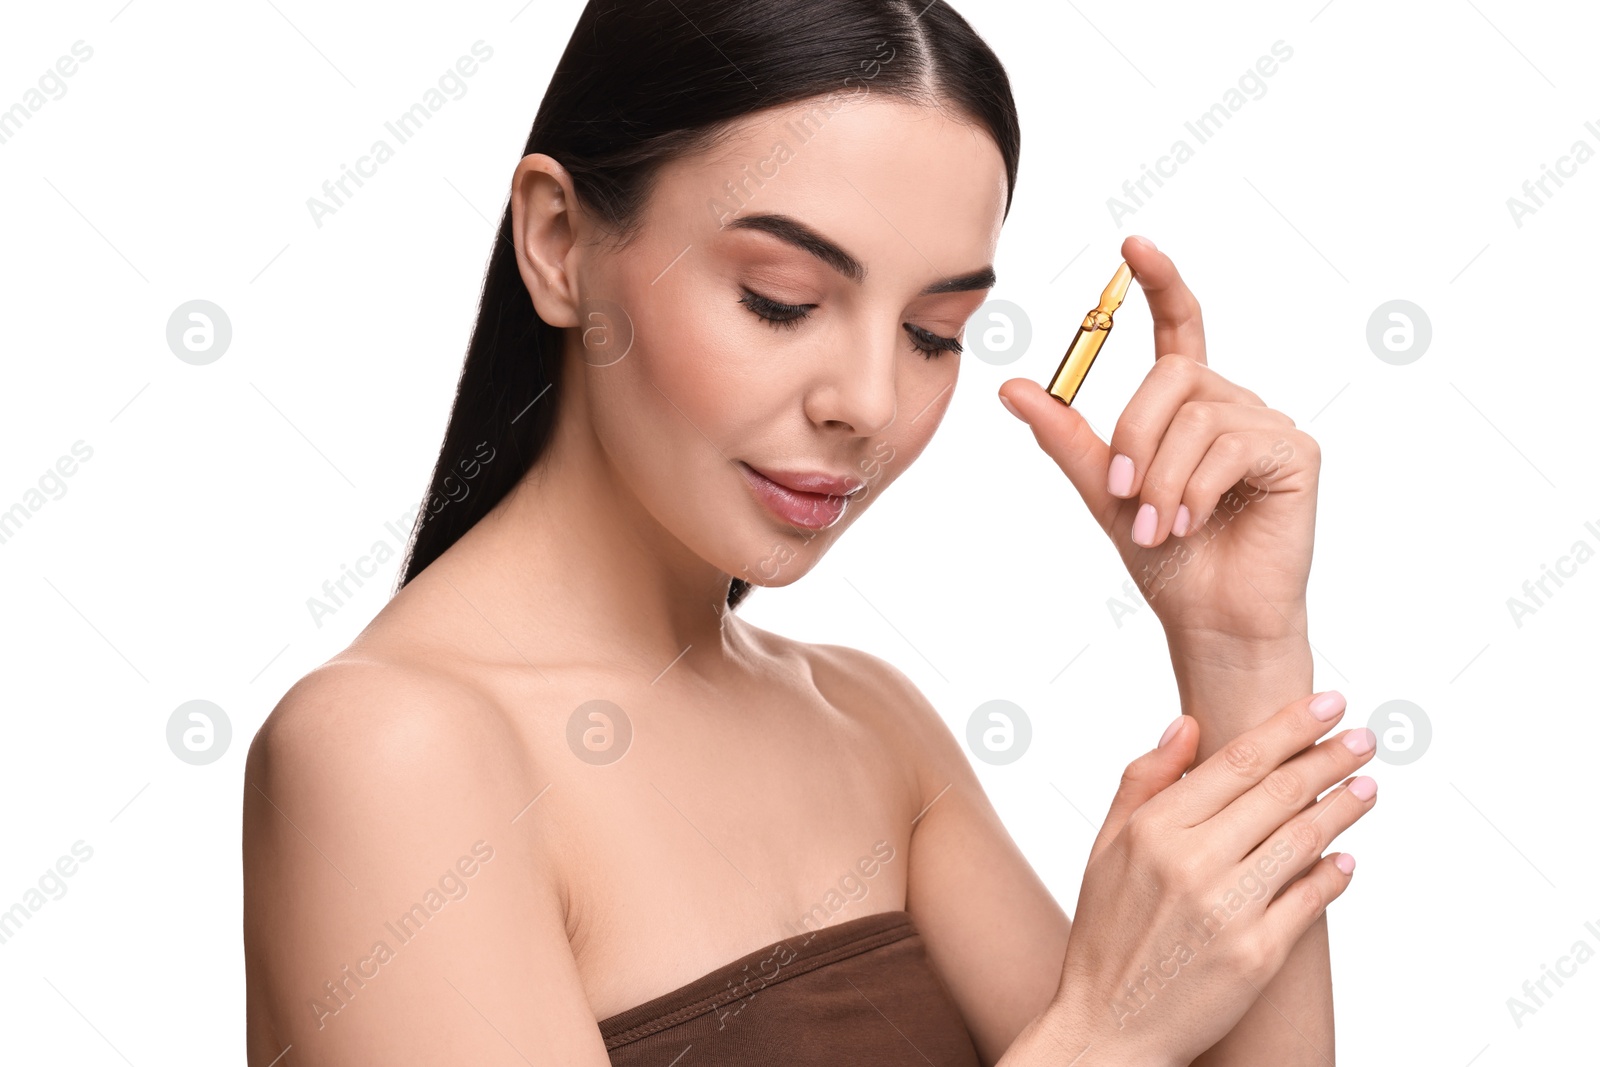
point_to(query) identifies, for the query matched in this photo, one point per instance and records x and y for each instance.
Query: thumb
(1066, 437)
(1149, 775)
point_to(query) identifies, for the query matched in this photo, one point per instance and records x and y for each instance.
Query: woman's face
(868, 234)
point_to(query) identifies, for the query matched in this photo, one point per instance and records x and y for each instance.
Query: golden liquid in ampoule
(1092, 334)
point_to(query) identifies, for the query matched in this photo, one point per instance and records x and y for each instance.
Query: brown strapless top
(860, 991)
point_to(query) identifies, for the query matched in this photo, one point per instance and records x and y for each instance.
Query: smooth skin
(759, 768)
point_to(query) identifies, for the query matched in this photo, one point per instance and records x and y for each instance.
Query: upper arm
(991, 928)
(393, 911)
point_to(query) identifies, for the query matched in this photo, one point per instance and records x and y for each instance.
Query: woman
(559, 803)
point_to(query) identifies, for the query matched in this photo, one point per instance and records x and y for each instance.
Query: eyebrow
(797, 233)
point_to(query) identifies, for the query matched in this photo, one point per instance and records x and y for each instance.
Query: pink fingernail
(1180, 521)
(1145, 241)
(1011, 409)
(1170, 731)
(1144, 525)
(1119, 480)
(1326, 705)
(1360, 740)
(1364, 788)
(1345, 862)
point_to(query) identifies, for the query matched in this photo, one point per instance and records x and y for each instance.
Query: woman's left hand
(1193, 446)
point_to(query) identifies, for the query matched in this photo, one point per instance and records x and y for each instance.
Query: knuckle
(1131, 431)
(1137, 830)
(1308, 894)
(1234, 445)
(1253, 953)
(1307, 446)
(1305, 837)
(1175, 365)
(1198, 417)
(1284, 785)
(1185, 871)
(1242, 756)
(1132, 775)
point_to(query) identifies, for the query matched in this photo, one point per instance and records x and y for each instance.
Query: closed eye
(789, 316)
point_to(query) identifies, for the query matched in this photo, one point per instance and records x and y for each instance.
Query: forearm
(1055, 1039)
(1230, 688)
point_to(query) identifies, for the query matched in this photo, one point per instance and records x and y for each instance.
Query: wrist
(1256, 637)
(1230, 683)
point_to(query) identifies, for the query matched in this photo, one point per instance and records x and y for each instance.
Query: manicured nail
(1364, 788)
(1144, 525)
(1180, 521)
(1119, 480)
(1326, 705)
(1360, 740)
(1171, 732)
(1145, 241)
(1011, 409)
(1345, 862)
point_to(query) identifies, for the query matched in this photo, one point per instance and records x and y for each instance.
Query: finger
(1224, 441)
(1254, 459)
(1147, 776)
(1288, 917)
(1173, 382)
(1066, 437)
(1244, 761)
(1288, 792)
(1173, 307)
(1296, 844)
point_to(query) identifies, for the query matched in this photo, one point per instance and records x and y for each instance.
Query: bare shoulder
(364, 719)
(380, 804)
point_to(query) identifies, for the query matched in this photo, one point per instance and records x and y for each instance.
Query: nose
(856, 384)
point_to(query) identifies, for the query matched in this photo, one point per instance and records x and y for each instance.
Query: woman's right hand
(1180, 917)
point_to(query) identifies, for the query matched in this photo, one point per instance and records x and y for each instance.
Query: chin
(777, 557)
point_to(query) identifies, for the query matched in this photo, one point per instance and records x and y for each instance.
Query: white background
(1376, 166)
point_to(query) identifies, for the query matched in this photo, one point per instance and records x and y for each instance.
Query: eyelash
(789, 316)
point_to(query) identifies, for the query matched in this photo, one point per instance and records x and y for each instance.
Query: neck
(570, 568)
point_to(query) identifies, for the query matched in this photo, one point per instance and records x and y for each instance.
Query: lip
(812, 500)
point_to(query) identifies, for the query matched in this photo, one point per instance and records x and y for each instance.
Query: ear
(542, 230)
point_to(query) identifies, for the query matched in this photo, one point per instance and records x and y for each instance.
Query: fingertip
(1345, 862)
(1171, 732)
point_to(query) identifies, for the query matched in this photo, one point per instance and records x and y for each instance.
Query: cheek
(924, 400)
(673, 414)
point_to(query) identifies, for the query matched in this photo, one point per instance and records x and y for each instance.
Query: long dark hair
(641, 83)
